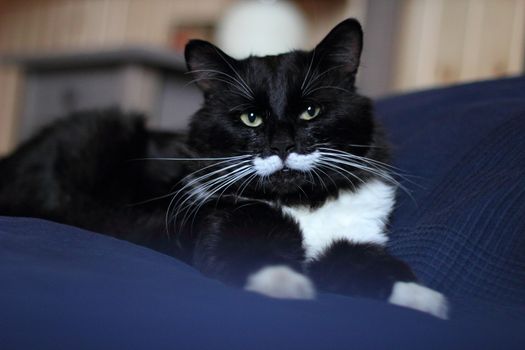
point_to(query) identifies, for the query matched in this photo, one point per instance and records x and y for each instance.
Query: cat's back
(69, 154)
(81, 166)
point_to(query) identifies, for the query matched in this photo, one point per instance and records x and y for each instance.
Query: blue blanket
(461, 227)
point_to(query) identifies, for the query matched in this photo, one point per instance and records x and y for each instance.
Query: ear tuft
(197, 53)
(204, 61)
(342, 46)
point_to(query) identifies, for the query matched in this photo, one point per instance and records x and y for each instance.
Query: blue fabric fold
(461, 228)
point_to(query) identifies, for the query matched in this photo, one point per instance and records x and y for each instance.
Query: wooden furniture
(149, 81)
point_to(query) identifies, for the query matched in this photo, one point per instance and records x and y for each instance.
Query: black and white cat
(280, 186)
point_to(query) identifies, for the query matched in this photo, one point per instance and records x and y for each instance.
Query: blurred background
(58, 56)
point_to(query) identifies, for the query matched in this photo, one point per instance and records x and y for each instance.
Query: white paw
(418, 297)
(281, 282)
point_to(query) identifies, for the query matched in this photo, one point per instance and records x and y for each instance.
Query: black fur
(346, 116)
(373, 271)
(90, 170)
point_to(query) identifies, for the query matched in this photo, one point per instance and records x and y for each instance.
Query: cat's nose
(282, 149)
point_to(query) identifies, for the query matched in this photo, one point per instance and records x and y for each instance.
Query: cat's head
(294, 120)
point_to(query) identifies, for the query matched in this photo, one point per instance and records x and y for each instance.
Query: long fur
(295, 197)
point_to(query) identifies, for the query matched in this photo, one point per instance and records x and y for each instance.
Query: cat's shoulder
(100, 124)
(94, 128)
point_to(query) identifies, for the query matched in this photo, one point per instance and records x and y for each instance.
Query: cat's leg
(368, 270)
(251, 245)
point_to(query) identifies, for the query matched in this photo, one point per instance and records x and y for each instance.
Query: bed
(461, 226)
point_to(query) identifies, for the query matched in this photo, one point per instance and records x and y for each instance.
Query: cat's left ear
(207, 63)
(342, 46)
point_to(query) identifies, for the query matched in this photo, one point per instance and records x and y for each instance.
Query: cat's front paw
(280, 281)
(418, 297)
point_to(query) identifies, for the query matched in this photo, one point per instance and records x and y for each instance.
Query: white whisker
(245, 184)
(308, 71)
(187, 177)
(341, 171)
(196, 159)
(224, 185)
(316, 77)
(371, 166)
(202, 188)
(243, 92)
(183, 192)
(314, 170)
(371, 162)
(235, 71)
(240, 84)
(328, 87)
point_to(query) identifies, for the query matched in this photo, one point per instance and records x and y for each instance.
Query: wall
(421, 43)
(450, 41)
(47, 25)
(50, 26)
(10, 87)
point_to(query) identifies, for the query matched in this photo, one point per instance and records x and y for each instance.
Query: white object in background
(261, 28)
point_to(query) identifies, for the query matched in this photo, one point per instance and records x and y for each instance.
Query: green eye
(310, 113)
(251, 119)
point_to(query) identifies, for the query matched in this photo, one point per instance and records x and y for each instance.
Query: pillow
(463, 229)
(66, 288)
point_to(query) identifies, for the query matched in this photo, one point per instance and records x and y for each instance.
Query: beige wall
(47, 25)
(50, 26)
(437, 42)
(450, 41)
(10, 82)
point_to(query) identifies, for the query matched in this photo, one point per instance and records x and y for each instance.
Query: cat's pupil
(311, 111)
(252, 117)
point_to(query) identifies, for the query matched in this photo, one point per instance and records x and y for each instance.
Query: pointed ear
(342, 46)
(207, 63)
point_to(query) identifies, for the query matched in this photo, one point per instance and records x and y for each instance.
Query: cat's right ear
(341, 48)
(206, 62)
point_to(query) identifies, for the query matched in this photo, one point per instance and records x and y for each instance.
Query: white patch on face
(358, 217)
(302, 162)
(267, 166)
(418, 297)
(282, 282)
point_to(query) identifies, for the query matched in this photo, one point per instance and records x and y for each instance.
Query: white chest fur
(358, 217)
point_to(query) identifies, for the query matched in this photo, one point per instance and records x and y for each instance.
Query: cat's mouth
(286, 175)
(294, 162)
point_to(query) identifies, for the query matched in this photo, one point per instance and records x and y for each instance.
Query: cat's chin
(286, 180)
